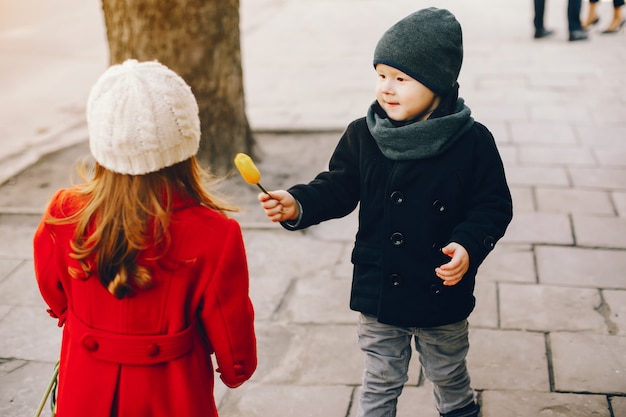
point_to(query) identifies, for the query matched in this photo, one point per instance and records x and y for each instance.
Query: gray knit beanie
(427, 45)
(142, 117)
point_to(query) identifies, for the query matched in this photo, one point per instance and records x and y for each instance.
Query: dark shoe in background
(543, 33)
(578, 35)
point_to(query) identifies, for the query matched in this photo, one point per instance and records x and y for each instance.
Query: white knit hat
(142, 117)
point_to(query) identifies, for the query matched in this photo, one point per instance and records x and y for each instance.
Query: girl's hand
(452, 272)
(279, 206)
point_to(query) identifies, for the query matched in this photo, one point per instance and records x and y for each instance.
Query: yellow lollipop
(249, 171)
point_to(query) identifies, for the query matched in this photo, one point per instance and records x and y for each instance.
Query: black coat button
(395, 280)
(397, 198)
(397, 239)
(435, 289)
(489, 242)
(439, 207)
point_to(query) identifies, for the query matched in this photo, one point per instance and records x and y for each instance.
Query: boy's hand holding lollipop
(279, 205)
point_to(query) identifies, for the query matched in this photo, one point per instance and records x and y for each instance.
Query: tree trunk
(199, 40)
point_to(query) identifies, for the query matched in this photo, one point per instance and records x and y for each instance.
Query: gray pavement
(549, 332)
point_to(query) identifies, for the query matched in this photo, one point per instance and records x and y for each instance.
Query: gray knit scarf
(418, 139)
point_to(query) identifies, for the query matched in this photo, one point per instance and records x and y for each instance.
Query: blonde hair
(126, 214)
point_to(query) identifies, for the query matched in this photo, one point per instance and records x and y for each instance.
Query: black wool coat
(408, 211)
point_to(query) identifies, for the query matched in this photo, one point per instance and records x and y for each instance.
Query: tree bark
(200, 41)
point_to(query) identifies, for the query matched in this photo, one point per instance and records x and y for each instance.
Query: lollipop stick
(264, 190)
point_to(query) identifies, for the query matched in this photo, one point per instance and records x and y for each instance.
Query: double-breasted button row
(397, 198)
(395, 281)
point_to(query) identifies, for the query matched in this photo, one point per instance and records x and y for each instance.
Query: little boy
(433, 203)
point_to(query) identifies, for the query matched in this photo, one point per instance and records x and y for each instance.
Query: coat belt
(129, 349)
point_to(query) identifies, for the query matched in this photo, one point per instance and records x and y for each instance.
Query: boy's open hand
(281, 206)
(452, 272)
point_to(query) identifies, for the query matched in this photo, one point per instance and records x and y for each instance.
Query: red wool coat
(149, 355)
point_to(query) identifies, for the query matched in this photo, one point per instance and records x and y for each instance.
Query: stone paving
(548, 335)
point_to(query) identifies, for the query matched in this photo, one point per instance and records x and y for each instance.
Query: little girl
(140, 263)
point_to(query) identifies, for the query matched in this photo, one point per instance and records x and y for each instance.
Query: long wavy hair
(127, 214)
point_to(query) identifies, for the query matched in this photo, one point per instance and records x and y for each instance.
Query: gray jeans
(388, 352)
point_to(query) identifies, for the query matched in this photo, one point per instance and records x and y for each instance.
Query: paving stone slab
(556, 155)
(609, 115)
(570, 200)
(500, 132)
(22, 218)
(344, 268)
(343, 230)
(550, 308)
(542, 133)
(319, 300)
(274, 343)
(605, 232)
(413, 402)
(508, 263)
(601, 135)
(219, 391)
(551, 228)
(536, 404)
(256, 400)
(7, 266)
(508, 153)
(281, 253)
(610, 156)
(589, 363)
(615, 311)
(560, 113)
(16, 242)
(505, 96)
(599, 178)
(485, 314)
(22, 388)
(38, 340)
(313, 355)
(619, 406)
(417, 402)
(527, 175)
(511, 360)
(561, 81)
(619, 198)
(523, 198)
(581, 267)
(499, 113)
(20, 288)
(267, 294)
(4, 311)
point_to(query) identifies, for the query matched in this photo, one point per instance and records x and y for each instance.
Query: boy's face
(402, 97)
